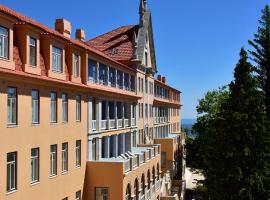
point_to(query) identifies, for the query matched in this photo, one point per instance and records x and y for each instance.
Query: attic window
(113, 51)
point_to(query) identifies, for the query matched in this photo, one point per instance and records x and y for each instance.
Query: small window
(78, 195)
(57, 59)
(92, 71)
(78, 153)
(64, 157)
(4, 42)
(76, 65)
(12, 106)
(102, 194)
(33, 51)
(53, 107)
(53, 160)
(11, 171)
(35, 106)
(64, 107)
(78, 108)
(34, 165)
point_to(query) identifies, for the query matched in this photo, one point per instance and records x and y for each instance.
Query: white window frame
(64, 157)
(4, 43)
(76, 65)
(78, 153)
(35, 106)
(78, 108)
(64, 108)
(53, 160)
(12, 172)
(34, 165)
(33, 45)
(57, 56)
(12, 107)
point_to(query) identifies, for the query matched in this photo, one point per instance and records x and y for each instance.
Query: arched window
(143, 185)
(128, 192)
(153, 175)
(136, 189)
(148, 180)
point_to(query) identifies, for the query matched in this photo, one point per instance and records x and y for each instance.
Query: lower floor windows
(34, 165)
(78, 195)
(11, 171)
(102, 194)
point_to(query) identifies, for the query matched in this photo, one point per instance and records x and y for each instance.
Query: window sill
(53, 176)
(78, 167)
(64, 123)
(53, 123)
(35, 124)
(78, 121)
(11, 192)
(34, 183)
(12, 125)
(65, 172)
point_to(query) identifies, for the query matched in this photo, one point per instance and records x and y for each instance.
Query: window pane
(53, 107)
(92, 71)
(78, 153)
(11, 171)
(57, 60)
(53, 160)
(32, 51)
(34, 165)
(102, 194)
(35, 106)
(64, 157)
(4, 42)
(64, 107)
(76, 65)
(78, 108)
(12, 106)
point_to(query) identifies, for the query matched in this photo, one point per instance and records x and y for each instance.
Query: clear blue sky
(197, 42)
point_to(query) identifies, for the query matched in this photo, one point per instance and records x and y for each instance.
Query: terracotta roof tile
(118, 43)
(21, 18)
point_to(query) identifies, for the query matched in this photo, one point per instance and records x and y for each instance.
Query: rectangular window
(57, 59)
(120, 79)
(112, 77)
(12, 106)
(102, 194)
(64, 107)
(64, 157)
(102, 74)
(76, 65)
(126, 83)
(35, 106)
(78, 108)
(78, 195)
(33, 51)
(11, 171)
(53, 107)
(4, 42)
(92, 71)
(34, 165)
(132, 83)
(53, 160)
(78, 153)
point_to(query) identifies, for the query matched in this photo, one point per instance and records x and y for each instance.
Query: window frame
(9, 186)
(55, 102)
(57, 59)
(78, 108)
(64, 153)
(78, 151)
(32, 46)
(53, 160)
(36, 158)
(38, 107)
(5, 48)
(76, 65)
(64, 108)
(102, 188)
(14, 116)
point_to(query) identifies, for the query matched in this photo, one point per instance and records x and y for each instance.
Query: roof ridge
(124, 26)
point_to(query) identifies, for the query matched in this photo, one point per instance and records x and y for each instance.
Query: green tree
(233, 139)
(261, 55)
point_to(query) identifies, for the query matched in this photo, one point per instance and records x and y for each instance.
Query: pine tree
(244, 129)
(261, 55)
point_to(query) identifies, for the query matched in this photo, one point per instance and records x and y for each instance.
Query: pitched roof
(23, 19)
(118, 43)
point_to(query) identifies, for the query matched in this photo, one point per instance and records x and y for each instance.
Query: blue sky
(197, 42)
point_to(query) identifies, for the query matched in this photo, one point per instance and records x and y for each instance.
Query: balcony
(119, 171)
(103, 124)
(120, 123)
(126, 122)
(112, 124)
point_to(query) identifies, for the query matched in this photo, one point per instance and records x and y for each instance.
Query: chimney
(164, 79)
(159, 78)
(63, 26)
(80, 34)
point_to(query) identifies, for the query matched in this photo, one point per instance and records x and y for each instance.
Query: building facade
(86, 119)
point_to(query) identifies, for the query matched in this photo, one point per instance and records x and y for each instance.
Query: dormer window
(76, 64)
(33, 51)
(4, 40)
(57, 60)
